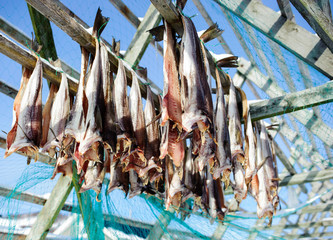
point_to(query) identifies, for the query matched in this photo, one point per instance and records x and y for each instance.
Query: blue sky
(16, 13)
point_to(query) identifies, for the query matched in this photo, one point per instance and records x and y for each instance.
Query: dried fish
(192, 72)
(171, 105)
(59, 114)
(264, 207)
(29, 116)
(235, 128)
(118, 178)
(26, 73)
(223, 153)
(250, 150)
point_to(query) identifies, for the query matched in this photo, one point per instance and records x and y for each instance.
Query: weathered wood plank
(51, 209)
(308, 235)
(298, 225)
(292, 102)
(210, 22)
(291, 36)
(134, 20)
(172, 16)
(219, 231)
(67, 21)
(13, 32)
(43, 34)
(285, 9)
(8, 90)
(27, 59)
(160, 225)
(305, 177)
(306, 117)
(317, 19)
(28, 197)
(326, 7)
(142, 37)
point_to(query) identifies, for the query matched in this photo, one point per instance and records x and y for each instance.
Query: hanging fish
(64, 165)
(28, 118)
(59, 114)
(269, 165)
(188, 174)
(122, 112)
(74, 129)
(94, 174)
(250, 150)
(138, 121)
(223, 154)
(193, 81)
(46, 115)
(173, 185)
(171, 104)
(135, 184)
(109, 134)
(235, 128)
(152, 151)
(240, 188)
(118, 178)
(264, 207)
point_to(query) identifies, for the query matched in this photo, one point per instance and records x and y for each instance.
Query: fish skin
(171, 104)
(29, 122)
(264, 206)
(235, 128)
(26, 73)
(109, 134)
(250, 151)
(93, 123)
(135, 184)
(118, 178)
(64, 165)
(192, 73)
(94, 174)
(122, 111)
(206, 152)
(136, 111)
(188, 172)
(74, 129)
(240, 186)
(59, 114)
(152, 151)
(46, 114)
(270, 167)
(223, 152)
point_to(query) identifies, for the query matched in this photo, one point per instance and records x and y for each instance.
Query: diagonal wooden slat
(285, 9)
(142, 37)
(133, 19)
(291, 36)
(317, 19)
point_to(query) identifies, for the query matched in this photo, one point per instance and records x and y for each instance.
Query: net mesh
(25, 188)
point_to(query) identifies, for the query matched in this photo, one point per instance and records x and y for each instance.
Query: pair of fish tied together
(185, 147)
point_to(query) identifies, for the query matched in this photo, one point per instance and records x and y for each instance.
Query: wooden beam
(43, 34)
(134, 20)
(292, 102)
(291, 36)
(172, 16)
(67, 21)
(27, 59)
(51, 209)
(142, 37)
(20, 37)
(317, 19)
(325, 6)
(27, 197)
(306, 177)
(305, 117)
(298, 225)
(308, 235)
(160, 225)
(8, 90)
(285, 9)
(219, 231)
(210, 22)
